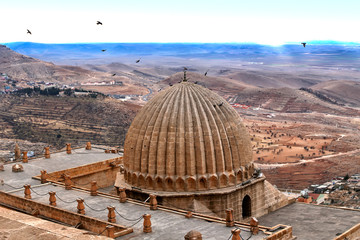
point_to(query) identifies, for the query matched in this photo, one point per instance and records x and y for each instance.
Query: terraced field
(57, 120)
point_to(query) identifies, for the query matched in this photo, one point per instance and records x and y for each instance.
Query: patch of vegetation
(51, 91)
(54, 91)
(321, 96)
(58, 120)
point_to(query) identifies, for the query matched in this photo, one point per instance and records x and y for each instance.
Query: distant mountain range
(330, 53)
(245, 73)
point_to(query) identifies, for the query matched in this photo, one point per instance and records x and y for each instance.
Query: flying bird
(304, 44)
(206, 72)
(28, 31)
(185, 68)
(114, 74)
(103, 50)
(137, 61)
(99, 23)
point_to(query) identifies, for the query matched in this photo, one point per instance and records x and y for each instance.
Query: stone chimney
(17, 152)
(153, 202)
(47, 152)
(68, 148)
(80, 206)
(24, 157)
(111, 214)
(147, 223)
(254, 226)
(230, 217)
(88, 146)
(93, 188)
(236, 234)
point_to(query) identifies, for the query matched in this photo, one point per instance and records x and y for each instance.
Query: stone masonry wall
(102, 172)
(284, 234)
(218, 203)
(71, 218)
(274, 199)
(351, 234)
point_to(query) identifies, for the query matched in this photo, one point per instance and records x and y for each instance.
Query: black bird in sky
(206, 72)
(99, 23)
(185, 68)
(114, 74)
(137, 61)
(28, 31)
(103, 50)
(304, 44)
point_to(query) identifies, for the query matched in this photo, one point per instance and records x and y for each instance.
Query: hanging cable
(128, 219)
(248, 237)
(82, 184)
(103, 231)
(38, 193)
(230, 236)
(64, 200)
(96, 210)
(136, 222)
(13, 187)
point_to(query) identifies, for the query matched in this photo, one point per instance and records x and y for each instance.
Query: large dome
(187, 138)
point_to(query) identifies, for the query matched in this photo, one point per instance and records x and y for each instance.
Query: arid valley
(300, 105)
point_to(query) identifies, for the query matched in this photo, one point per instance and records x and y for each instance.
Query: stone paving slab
(58, 161)
(165, 225)
(36, 228)
(312, 221)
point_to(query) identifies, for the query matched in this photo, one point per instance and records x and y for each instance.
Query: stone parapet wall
(104, 178)
(351, 234)
(284, 234)
(215, 203)
(104, 173)
(33, 227)
(274, 199)
(65, 216)
(264, 199)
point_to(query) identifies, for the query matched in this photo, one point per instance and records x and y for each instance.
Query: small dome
(17, 168)
(187, 138)
(193, 235)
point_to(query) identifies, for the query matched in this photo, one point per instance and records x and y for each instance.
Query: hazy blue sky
(262, 21)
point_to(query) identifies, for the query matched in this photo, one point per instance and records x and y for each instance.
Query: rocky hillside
(289, 100)
(58, 120)
(222, 85)
(345, 92)
(25, 70)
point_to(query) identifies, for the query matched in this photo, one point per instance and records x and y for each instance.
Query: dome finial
(185, 79)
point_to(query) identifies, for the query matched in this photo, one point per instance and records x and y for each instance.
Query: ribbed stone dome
(187, 138)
